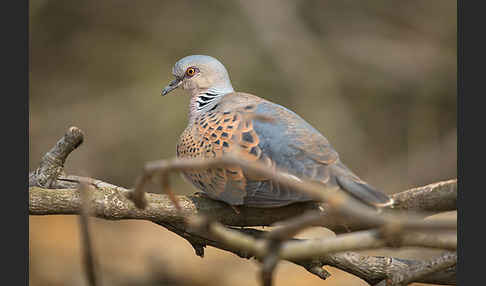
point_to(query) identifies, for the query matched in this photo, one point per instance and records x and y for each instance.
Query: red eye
(190, 71)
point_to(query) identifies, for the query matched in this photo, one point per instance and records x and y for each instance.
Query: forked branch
(215, 220)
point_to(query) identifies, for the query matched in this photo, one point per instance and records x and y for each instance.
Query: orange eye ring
(190, 71)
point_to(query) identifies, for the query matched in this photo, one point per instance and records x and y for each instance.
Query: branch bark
(113, 203)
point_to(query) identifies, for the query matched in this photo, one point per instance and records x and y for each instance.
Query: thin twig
(138, 195)
(269, 264)
(88, 254)
(314, 248)
(166, 187)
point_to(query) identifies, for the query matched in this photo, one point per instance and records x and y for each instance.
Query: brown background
(377, 78)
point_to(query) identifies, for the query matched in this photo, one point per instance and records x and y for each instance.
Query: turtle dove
(217, 124)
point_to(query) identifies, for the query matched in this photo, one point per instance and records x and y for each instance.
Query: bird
(219, 122)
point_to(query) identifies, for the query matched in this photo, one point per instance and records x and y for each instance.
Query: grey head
(200, 74)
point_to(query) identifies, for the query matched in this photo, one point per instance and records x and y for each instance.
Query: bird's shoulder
(238, 101)
(282, 135)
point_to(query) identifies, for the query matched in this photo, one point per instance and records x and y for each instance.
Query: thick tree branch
(114, 203)
(420, 270)
(374, 269)
(436, 197)
(52, 163)
(111, 202)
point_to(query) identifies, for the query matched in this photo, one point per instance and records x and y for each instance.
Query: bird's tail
(364, 192)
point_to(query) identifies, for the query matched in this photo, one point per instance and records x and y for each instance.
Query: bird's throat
(203, 102)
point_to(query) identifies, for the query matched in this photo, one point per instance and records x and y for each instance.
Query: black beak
(172, 85)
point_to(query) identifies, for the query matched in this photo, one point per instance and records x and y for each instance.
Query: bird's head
(199, 74)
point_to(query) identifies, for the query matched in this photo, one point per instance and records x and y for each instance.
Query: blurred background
(377, 78)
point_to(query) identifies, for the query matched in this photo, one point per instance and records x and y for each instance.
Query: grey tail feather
(364, 192)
